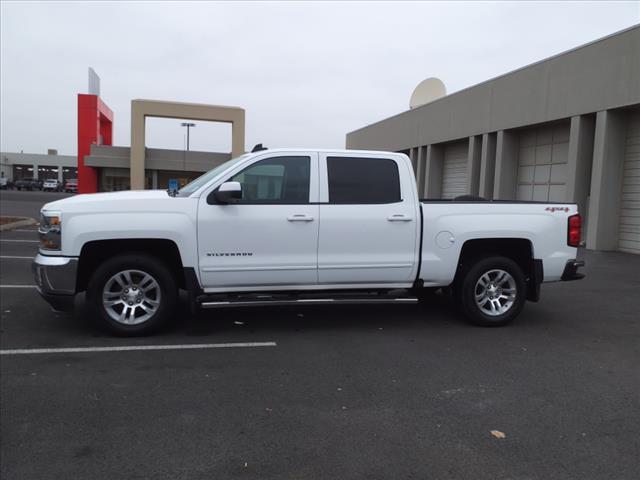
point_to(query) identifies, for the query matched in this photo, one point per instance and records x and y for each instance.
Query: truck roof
(327, 150)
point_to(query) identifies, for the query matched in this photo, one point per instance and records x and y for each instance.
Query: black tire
(157, 270)
(469, 286)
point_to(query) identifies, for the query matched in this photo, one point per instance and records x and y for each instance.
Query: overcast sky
(306, 73)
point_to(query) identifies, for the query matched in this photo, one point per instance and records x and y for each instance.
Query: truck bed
(449, 224)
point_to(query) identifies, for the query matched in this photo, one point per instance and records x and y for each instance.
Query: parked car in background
(51, 185)
(28, 184)
(71, 185)
(4, 183)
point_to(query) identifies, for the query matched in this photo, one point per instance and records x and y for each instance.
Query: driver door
(269, 238)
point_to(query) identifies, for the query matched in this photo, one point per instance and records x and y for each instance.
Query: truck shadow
(438, 312)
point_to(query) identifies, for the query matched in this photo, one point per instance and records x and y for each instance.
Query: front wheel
(132, 294)
(493, 291)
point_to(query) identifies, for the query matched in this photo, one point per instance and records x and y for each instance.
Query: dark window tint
(363, 180)
(276, 180)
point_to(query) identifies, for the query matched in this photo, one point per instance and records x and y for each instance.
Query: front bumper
(55, 279)
(571, 270)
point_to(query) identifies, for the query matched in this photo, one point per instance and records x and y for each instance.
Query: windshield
(203, 179)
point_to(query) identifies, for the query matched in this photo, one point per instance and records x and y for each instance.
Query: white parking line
(201, 346)
(19, 230)
(14, 256)
(20, 241)
(17, 286)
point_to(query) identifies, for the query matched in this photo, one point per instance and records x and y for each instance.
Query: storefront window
(117, 179)
(181, 176)
(114, 179)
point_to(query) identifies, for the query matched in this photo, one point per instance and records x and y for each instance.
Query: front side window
(282, 180)
(205, 178)
(354, 180)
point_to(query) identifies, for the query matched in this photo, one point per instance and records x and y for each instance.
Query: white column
(433, 171)
(504, 184)
(413, 155)
(421, 172)
(473, 164)
(579, 162)
(487, 165)
(606, 181)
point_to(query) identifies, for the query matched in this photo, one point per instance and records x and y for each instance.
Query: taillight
(574, 230)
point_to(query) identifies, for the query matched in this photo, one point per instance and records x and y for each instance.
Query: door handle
(398, 217)
(299, 218)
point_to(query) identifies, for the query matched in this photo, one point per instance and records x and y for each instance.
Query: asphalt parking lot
(26, 204)
(357, 392)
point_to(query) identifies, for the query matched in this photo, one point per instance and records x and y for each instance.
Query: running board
(308, 301)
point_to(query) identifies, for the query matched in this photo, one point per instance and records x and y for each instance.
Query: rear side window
(357, 180)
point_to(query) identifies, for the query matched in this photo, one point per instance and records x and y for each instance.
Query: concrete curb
(24, 222)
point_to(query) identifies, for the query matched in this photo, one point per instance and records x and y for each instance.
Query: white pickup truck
(277, 227)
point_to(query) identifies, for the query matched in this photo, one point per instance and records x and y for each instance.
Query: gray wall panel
(601, 75)
(629, 229)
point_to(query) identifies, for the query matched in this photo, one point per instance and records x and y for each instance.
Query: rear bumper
(571, 271)
(55, 279)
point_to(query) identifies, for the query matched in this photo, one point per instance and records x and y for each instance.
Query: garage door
(542, 163)
(69, 172)
(454, 171)
(629, 230)
(47, 172)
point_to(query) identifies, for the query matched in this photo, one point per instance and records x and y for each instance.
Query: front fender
(175, 226)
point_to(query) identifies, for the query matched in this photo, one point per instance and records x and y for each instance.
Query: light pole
(184, 156)
(188, 125)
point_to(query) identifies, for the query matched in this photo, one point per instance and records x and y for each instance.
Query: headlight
(50, 231)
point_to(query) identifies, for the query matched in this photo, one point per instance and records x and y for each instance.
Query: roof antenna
(258, 148)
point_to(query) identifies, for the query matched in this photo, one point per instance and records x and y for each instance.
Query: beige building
(159, 166)
(142, 109)
(16, 166)
(565, 129)
(138, 167)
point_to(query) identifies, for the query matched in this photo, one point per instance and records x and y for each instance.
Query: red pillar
(95, 126)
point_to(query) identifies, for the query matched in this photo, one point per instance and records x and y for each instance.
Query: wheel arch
(520, 250)
(95, 252)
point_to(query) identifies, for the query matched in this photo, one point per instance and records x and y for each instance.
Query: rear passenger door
(369, 220)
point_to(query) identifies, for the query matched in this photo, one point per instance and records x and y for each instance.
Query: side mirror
(228, 192)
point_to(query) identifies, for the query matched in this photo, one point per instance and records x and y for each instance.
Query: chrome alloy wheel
(495, 292)
(131, 297)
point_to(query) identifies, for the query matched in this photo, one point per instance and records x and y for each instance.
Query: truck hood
(132, 198)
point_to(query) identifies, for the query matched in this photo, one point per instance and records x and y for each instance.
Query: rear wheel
(132, 294)
(493, 291)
